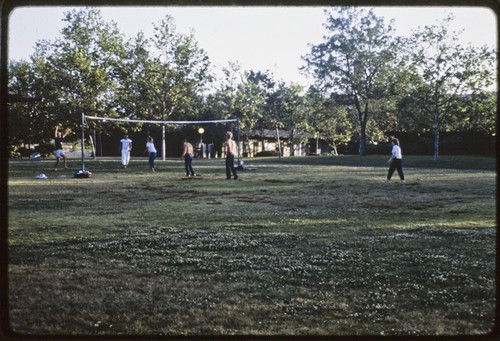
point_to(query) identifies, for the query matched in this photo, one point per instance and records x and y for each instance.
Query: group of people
(229, 148)
(126, 147)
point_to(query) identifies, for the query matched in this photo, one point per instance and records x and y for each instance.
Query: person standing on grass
(229, 147)
(187, 156)
(126, 147)
(151, 150)
(395, 161)
(59, 152)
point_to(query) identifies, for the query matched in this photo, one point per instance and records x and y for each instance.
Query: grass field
(305, 246)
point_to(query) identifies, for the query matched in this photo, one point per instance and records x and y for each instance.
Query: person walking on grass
(395, 161)
(229, 147)
(187, 156)
(59, 152)
(126, 147)
(151, 150)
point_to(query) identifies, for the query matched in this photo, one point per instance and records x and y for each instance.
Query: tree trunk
(335, 149)
(100, 143)
(279, 143)
(92, 143)
(436, 135)
(436, 127)
(362, 139)
(262, 140)
(363, 117)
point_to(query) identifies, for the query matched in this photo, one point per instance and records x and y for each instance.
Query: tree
(76, 73)
(72, 75)
(178, 73)
(482, 106)
(222, 100)
(449, 72)
(25, 126)
(133, 97)
(354, 60)
(327, 119)
(249, 101)
(290, 112)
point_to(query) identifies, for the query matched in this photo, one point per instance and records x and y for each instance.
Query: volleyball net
(162, 123)
(159, 121)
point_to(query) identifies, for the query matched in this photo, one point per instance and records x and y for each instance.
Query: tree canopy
(368, 82)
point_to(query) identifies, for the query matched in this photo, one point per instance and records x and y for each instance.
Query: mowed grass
(301, 246)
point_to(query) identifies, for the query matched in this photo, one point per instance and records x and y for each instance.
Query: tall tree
(327, 119)
(290, 113)
(133, 97)
(25, 124)
(449, 72)
(222, 100)
(354, 61)
(171, 73)
(249, 101)
(76, 73)
(73, 74)
(179, 72)
(86, 59)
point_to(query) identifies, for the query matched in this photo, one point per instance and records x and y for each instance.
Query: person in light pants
(126, 144)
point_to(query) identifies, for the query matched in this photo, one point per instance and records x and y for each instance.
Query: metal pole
(82, 144)
(163, 147)
(279, 142)
(238, 126)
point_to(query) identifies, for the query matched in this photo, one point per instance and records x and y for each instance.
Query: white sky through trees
(258, 38)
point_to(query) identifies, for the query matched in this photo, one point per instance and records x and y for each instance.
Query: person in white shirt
(126, 144)
(395, 161)
(150, 148)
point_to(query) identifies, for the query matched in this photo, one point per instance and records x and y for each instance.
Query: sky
(258, 38)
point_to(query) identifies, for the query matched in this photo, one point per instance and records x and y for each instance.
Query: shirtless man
(187, 155)
(229, 147)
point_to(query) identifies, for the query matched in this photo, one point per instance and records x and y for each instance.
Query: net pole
(82, 143)
(163, 143)
(238, 127)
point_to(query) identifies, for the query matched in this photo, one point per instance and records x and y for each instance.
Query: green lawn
(301, 246)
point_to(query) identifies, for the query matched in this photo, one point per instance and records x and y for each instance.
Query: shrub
(267, 153)
(45, 149)
(24, 152)
(13, 152)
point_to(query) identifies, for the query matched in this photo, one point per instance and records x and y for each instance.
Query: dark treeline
(367, 82)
